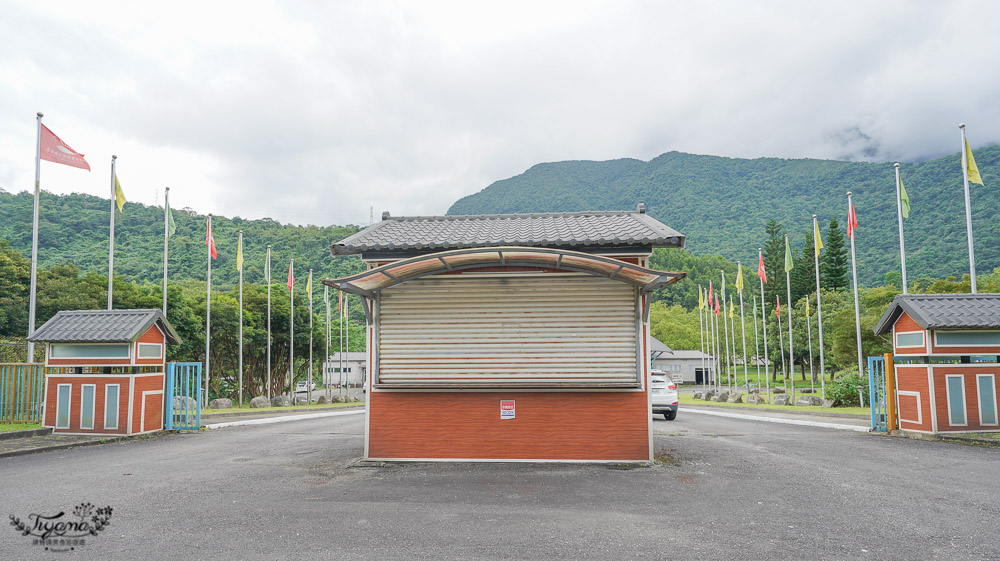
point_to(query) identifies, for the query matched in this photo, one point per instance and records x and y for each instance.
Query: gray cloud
(312, 112)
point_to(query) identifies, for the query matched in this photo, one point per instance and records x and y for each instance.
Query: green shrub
(844, 390)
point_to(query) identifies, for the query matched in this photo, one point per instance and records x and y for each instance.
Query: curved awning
(367, 283)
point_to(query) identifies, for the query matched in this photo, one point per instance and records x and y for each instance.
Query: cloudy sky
(313, 112)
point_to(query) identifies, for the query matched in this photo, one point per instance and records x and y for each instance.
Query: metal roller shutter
(528, 330)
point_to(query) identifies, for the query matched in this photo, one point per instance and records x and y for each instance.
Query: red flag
(210, 240)
(53, 149)
(777, 310)
(852, 219)
(340, 302)
(709, 292)
(716, 306)
(291, 277)
(760, 270)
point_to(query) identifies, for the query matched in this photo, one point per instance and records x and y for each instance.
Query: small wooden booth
(519, 337)
(946, 360)
(105, 370)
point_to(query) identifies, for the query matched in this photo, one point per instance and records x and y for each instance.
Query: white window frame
(53, 346)
(138, 351)
(69, 404)
(93, 405)
(923, 340)
(118, 401)
(947, 389)
(964, 345)
(979, 400)
(920, 411)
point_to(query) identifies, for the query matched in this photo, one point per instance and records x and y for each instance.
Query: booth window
(967, 338)
(150, 350)
(89, 350)
(986, 387)
(955, 387)
(87, 392)
(63, 392)
(111, 392)
(914, 339)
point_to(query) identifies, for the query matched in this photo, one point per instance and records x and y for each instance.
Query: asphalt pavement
(722, 488)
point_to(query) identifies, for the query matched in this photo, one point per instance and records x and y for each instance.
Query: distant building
(683, 366)
(350, 369)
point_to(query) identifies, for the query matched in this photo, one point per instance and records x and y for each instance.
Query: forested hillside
(74, 229)
(722, 204)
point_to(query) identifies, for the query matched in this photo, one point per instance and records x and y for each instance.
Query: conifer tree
(833, 261)
(804, 273)
(774, 261)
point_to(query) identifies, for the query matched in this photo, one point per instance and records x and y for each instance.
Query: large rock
(323, 400)
(808, 400)
(260, 402)
(807, 390)
(782, 399)
(696, 395)
(708, 395)
(757, 399)
(220, 403)
(829, 403)
(735, 398)
(179, 404)
(280, 401)
(722, 397)
(301, 401)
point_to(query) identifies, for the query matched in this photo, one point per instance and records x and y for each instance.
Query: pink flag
(53, 149)
(210, 240)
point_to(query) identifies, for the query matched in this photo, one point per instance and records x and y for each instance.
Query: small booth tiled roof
(944, 311)
(564, 229)
(102, 326)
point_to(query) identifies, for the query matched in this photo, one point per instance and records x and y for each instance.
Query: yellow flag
(819, 238)
(739, 278)
(309, 285)
(239, 255)
(120, 195)
(701, 299)
(731, 309)
(974, 176)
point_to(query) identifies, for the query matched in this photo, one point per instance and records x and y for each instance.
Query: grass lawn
(689, 400)
(799, 383)
(11, 427)
(231, 410)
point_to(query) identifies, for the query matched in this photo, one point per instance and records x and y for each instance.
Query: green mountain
(721, 204)
(74, 229)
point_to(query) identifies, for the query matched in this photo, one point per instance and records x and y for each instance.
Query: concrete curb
(55, 447)
(776, 410)
(24, 433)
(800, 422)
(950, 438)
(270, 420)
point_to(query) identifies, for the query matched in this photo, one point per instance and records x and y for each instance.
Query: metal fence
(22, 393)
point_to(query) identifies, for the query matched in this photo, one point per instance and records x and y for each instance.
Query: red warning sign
(506, 409)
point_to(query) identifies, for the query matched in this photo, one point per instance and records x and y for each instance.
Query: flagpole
(899, 219)
(756, 343)
(241, 319)
(111, 246)
(854, 273)
(34, 239)
(968, 211)
(718, 348)
(267, 275)
(309, 394)
(340, 334)
(701, 330)
(812, 373)
(208, 311)
(166, 236)
(735, 383)
(819, 309)
(725, 331)
(743, 329)
(763, 321)
(347, 337)
(326, 338)
(791, 357)
(710, 340)
(291, 330)
(781, 341)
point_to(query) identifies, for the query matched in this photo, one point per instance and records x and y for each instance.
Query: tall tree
(804, 273)
(833, 262)
(774, 261)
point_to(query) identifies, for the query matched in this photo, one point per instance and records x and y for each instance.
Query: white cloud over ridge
(311, 112)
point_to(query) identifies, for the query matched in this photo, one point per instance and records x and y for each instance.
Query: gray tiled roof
(102, 326)
(565, 229)
(944, 311)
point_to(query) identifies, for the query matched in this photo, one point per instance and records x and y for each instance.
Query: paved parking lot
(723, 489)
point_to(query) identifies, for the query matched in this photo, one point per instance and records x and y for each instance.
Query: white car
(664, 393)
(303, 386)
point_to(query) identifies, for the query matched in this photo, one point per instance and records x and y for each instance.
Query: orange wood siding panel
(75, 402)
(555, 426)
(913, 379)
(906, 324)
(152, 335)
(145, 384)
(971, 396)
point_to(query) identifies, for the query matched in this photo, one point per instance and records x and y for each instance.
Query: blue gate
(876, 393)
(183, 396)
